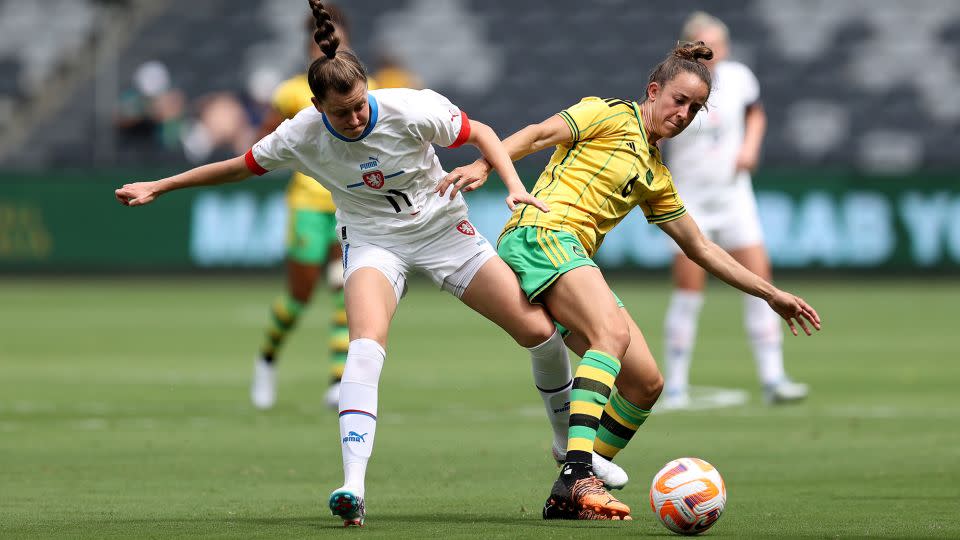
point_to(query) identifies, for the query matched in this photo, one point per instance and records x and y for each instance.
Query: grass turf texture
(124, 413)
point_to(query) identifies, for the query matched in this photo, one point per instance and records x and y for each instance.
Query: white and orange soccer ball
(688, 495)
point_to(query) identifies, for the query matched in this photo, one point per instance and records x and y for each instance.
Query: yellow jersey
(303, 192)
(593, 181)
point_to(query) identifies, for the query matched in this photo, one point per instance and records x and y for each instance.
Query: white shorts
(450, 259)
(731, 221)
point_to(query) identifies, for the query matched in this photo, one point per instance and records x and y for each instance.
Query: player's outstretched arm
(528, 140)
(221, 172)
(471, 177)
(718, 262)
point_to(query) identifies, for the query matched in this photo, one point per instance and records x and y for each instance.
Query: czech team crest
(466, 228)
(374, 179)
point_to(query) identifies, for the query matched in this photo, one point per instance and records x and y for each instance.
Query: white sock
(681, 332)
(766, 338)
(358, 410)
(552, 375)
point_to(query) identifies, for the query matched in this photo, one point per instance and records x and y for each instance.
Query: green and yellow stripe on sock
(339, 337)
(592, 384)
(283, 317)
(620, 421)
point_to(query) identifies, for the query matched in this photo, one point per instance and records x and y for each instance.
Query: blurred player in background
(712, 162)
(374, 150)
(606, 163)
(312, 244)
(391, 73)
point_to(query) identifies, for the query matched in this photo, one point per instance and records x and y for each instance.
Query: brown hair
(336, 70)
(337, 16)
(683, 57)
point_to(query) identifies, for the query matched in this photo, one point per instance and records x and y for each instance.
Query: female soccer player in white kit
(373, 151)
(711, 163)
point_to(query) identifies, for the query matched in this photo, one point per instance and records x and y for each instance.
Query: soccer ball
(688, 495)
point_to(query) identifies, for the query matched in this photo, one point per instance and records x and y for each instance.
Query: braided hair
(335, 70)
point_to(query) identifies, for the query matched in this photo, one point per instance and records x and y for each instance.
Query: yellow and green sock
(620, 420)
(339, 337)
(592, 384)
(283, 317)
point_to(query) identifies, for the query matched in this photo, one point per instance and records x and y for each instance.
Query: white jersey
(383, 181)
(703, 157)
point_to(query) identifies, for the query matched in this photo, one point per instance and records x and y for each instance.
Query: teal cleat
(348, 506)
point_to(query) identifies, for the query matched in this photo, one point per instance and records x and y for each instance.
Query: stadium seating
(536, 58)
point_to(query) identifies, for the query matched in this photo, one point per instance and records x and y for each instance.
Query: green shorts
(309, 236)
(539, 256)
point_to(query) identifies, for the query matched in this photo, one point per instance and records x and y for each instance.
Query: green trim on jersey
(310, 235)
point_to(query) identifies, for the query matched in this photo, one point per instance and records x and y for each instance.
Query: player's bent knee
(613, 340)
(531, 335)
(643, 391)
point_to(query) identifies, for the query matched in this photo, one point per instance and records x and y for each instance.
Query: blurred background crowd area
(872, 85)
(857, 169)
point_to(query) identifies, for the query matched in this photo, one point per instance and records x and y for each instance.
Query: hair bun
(693, 51)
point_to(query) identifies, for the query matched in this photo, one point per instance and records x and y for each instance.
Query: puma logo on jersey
(373, 163)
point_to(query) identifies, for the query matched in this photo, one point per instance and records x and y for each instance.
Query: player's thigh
(375, 282)
(494, 292)
(639, 380)
(581, 301)
(755, 259)
(688, 275)
(301, 279)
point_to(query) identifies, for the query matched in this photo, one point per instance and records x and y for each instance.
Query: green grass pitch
(124, 413)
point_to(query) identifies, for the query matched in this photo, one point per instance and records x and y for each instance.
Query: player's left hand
(466, 178)
(793, 308)
(513, 199)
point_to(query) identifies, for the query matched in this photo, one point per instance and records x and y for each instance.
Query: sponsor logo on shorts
(577, 250)
(353, 436)
(374, 179)
(466, 228)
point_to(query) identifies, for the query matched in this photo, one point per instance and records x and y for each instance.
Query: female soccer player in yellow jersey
(606, 162)
(312, 243)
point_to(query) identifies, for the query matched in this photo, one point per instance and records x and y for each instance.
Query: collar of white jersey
(374, 113)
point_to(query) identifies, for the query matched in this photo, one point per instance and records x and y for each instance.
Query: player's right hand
(793, 308)
(466, 178)
(136, 194)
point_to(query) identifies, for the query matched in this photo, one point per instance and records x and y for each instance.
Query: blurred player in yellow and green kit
(312, 245)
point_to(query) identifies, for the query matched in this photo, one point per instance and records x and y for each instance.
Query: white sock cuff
(686, 299)
(551, 365)
(364, 362)
(554, 340)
